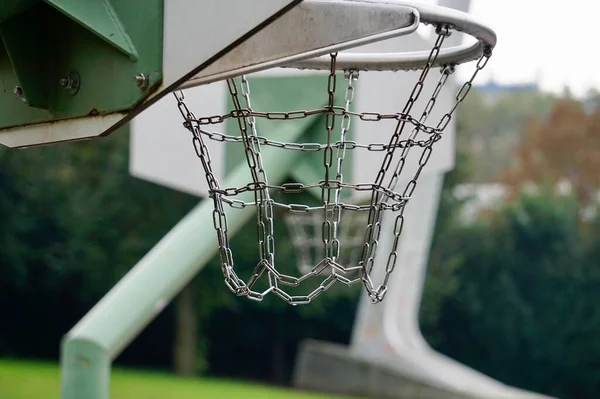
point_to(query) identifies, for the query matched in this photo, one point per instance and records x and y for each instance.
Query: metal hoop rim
(436, 15)
(318, 59)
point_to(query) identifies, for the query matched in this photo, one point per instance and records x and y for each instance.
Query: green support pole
(89, 348)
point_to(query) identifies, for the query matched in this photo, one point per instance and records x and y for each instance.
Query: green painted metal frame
(106, 42)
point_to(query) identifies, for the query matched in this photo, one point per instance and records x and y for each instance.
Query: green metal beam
(113, 323)
(100, 18)
(89, 370)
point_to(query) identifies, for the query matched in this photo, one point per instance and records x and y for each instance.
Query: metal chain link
(328, 231)
(264, 216)
(384, 195)
(375, 216)
(341, 154)
(315, 147)
(232, 281)
(335, 111)
(379, 292)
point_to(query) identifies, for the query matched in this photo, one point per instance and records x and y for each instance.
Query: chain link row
(329, 112)
(296, 188)
(303, 208)
(316, 147)
(384, 195)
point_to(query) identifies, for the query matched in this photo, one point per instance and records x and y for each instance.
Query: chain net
(305, 233)
(270, 200)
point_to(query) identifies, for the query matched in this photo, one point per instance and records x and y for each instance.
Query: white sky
(551, 39)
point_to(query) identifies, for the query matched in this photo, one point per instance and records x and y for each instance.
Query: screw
(443, 30)
(141, 80)
(70, 82)
(449, 69)
(18, 90)
(66, 82)
(351, 72)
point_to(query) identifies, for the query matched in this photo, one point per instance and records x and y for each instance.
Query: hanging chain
(384, 196)
(377, 294)
(314, 147)
(375, 216)
(264, 203)
(219, 217)
(327, 227)
(341, 154)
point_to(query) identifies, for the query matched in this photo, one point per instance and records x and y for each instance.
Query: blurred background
(512, 283)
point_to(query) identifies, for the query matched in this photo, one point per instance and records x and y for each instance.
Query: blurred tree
(73, 223)
(563, 148)
(441, 279)
(185, 356)
(489, 127)
(525, 312)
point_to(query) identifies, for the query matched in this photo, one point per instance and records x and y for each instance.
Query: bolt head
(70, 83)
(18, 91)
(65, 82)
(141, 80)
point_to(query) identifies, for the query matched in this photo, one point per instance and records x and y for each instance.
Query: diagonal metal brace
(100, 18)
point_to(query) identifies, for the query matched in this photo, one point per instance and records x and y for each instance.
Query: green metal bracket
(64, 59)
(100, 18)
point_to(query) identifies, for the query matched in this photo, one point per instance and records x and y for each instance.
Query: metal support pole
(382, 333)
(89, 348)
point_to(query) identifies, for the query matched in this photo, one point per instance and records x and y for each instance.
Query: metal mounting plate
(105, 44)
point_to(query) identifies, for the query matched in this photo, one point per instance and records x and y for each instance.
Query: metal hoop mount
(283, 45)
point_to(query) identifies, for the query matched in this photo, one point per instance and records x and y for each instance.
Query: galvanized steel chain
(328, 227)
(378, 293)
(384, 196)
(315, 147)
(234, 283)
(341, 154)
(303, 114)
(375, 215)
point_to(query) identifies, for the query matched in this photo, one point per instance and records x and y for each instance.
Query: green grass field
(33, 380)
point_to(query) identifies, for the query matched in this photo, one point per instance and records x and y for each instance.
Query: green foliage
(441, 279)
(526, 309)
(73, 223)
(489, 129)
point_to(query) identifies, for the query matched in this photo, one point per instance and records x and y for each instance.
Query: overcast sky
(551, 39)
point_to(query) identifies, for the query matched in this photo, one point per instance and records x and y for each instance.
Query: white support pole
(389, 334)
(383, 331)
(399, 313)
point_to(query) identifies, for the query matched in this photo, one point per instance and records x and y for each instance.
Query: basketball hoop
(413, 132)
